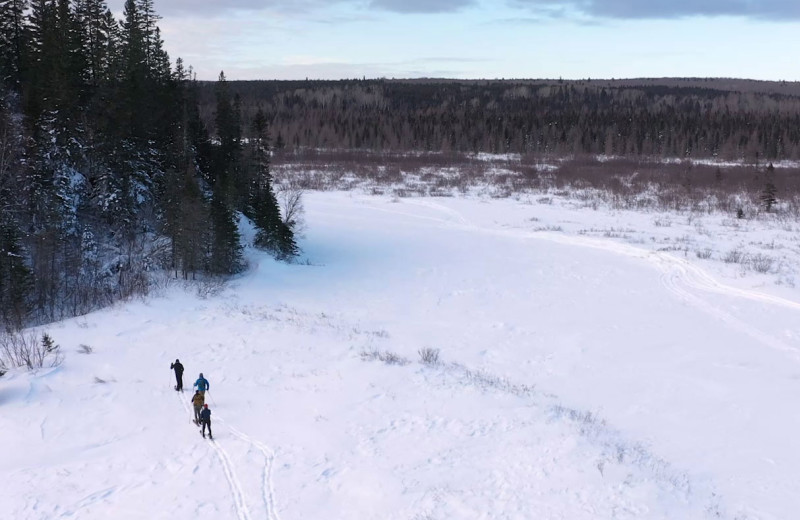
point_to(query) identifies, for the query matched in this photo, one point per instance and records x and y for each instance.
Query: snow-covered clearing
(593, 365)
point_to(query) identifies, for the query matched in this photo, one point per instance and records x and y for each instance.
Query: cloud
(422, 6)
(661, 9)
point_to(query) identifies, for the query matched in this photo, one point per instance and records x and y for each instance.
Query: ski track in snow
(674, 275)
(677, 275)
(239, 503)
(267, 488)
(236, 487)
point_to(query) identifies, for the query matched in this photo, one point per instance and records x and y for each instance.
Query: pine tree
(65, 77)
(226, 250)
(54, 74)
(768, 193)
(186, 222)
(273, 233)
(12, 41)
(198, 135)
(768, 196)
(113, 47)
(159, 62)
(148, 20)
(41, 22)
(11, 153)
(15, 277)
(185, 209)
(95, 34)
(228, 125)
(133, 88)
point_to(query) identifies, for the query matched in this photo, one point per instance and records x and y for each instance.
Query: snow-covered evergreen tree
(106, 159)
(273, 233)
(12, 41)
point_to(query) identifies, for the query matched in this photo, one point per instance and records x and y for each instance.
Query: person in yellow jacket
(198, 400)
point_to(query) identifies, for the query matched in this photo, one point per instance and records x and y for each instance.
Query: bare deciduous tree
(23, 349)
(292, 210)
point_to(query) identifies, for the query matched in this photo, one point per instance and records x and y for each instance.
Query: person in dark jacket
(205, 420)
(198, 400)
(202, 384)
(178, 368)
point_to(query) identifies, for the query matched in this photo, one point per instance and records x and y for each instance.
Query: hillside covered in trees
(107, 172)
(116, 163)
(667, 118)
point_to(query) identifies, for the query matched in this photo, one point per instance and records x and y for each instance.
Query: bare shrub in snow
(428, 356)
(20, 349)
(584, 418)
(615, 233)
(734, 256)
(210, 287)
(620, 183)
(485, 379)
(384, 356)
(558, 229)
(160, 281)
(703, 254)
(390, 358)
(662, 222)
(761, 263)
(85, 349)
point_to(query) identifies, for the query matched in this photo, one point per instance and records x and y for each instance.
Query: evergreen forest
(107, 171)
(673, 118)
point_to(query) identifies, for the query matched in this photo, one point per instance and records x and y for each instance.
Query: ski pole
(212, 399)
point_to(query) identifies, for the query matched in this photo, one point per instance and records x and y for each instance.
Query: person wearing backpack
(202, 384)
(198, 400)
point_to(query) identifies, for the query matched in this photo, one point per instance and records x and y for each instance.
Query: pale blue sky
(573, 39)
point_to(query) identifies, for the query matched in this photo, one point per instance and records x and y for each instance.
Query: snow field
(583, 375)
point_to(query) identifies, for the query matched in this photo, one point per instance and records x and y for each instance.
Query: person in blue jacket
(205, 420)
(202, 384)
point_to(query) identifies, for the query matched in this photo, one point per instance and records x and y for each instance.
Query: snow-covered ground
(592, 365)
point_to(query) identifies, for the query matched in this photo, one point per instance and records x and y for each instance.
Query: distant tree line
(556, 118)
(107, 171)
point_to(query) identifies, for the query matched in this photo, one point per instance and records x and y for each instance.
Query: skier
(198, 400)
(178, 368)
(205, 420)
(202, 384)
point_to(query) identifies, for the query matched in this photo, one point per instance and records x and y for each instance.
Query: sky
(469, 39)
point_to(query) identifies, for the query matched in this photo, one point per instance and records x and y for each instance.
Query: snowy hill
(591, 366)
